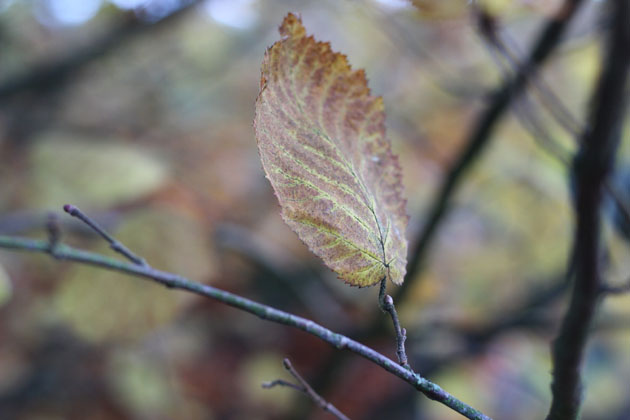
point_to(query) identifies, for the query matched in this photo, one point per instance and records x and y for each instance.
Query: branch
(482, 133)
(508, 48)
(64, 252)
(524, 315)
(591, 167)
(305, 388)
(525, 112)
(311, 291)
(386, 303)
(616, 290)
(113, 243)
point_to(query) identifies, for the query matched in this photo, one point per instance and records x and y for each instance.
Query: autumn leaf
(321, 137)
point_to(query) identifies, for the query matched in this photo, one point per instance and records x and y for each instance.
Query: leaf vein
(348, 211)
(321, 228)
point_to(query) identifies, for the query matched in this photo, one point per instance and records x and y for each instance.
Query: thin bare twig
(510, 50)
(113, 243)
(171, 280)
(311, 291)
(281, 382)
(548, 97)
(304, 387)
(616, 290)
(508, 63)
(386, 303)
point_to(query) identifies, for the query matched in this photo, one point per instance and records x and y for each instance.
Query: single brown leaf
(321, 137)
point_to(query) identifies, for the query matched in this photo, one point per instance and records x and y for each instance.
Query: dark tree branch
(482, 133)
(525, 315)
(527, 115)
(305, 388)
(311, 292)
(52, 75)
(591, 166)
(64, 252)
(502, 42)
(508, 63)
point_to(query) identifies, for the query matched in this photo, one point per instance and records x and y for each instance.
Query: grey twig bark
(113, 243)
(386, 302)
(304, 387)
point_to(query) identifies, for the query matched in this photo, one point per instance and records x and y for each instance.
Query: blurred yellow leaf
(101, 304)
(141, 384)
(90, 172)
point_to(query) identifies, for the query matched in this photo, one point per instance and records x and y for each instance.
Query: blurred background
(140, 112)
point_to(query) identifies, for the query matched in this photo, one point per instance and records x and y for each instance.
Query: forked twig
(113, 243)
(304, 387)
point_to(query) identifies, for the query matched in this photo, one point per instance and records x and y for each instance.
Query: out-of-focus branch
(64, 252)
(616, 290)
(304, 387)
(482, 133)
(54, 74)
(548, 97)
(526, 315)
(591, 166)
(310, 291)
(526, 113)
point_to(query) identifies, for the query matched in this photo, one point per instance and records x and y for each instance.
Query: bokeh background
(140, 112)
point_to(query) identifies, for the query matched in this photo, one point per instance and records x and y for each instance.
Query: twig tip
(286, 363)
(70, 209)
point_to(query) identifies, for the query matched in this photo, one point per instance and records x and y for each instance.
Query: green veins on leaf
(321, 137)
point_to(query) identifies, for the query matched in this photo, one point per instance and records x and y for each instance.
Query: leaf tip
(292, 27)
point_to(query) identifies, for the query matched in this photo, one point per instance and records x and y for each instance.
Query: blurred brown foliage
(143, 118)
